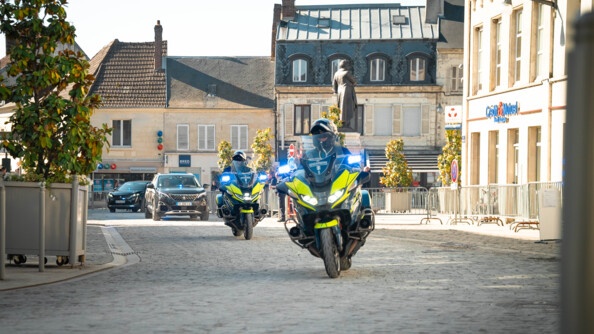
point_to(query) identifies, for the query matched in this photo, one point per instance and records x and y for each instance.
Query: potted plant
(396, 175)
(51, 131)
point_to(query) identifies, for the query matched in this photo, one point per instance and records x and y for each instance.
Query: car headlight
(310, 200)
(334, 197)
(109, 195)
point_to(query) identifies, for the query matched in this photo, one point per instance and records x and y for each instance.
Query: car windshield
(132, 186)
(178, 181)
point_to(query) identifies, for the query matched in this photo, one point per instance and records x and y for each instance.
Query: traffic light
(159, 140)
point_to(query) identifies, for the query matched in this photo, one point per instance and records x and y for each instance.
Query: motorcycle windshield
(245, 175)
(319, 170)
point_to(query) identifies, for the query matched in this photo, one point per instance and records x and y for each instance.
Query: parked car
(175, 194)
(128, 196)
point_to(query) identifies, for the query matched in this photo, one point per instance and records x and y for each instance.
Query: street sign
(291, 151)
(454, 170)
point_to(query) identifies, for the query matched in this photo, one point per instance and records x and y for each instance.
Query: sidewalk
(104, 249)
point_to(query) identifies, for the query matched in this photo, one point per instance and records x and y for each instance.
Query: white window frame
(239, 137)
(299, 70)
(496, 54)
(206, 137)
(517, 40)
(417, 69)
(334, 67)
(377, 71)
(540, 43)
(455, 79)
(478, 66)
(183, 134)
(120, 139)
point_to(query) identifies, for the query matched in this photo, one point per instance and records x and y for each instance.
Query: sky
(190, 27)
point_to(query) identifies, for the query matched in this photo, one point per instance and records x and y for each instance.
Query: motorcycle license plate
(184, 203)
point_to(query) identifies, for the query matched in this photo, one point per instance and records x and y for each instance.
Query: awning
(418, 161)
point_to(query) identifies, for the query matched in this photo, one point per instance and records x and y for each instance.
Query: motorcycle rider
(240, 156)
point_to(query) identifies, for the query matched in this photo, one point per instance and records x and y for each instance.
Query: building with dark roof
(407, 67)
(170, 113)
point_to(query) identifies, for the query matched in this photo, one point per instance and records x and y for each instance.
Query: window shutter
(396, 119)
(315, 112)
(243, 137)
(368, 121)
(201, 137)
(425, 119)
(182, 137)
(289, 117)
(210, 137)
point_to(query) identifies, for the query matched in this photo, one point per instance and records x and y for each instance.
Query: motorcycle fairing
(345, 181)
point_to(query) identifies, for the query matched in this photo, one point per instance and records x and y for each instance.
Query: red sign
(454, 170)
(291, 151)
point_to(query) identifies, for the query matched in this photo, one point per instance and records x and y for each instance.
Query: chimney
(158, 46)
(288, 12)
(275, 22)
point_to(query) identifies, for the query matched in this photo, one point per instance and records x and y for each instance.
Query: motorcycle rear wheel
(330, 253)
(248, 223)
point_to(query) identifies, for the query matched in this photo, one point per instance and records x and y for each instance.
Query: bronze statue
(343, 84)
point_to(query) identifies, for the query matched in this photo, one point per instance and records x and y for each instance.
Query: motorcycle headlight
(247, 197)
(310, 200)
(334, 197)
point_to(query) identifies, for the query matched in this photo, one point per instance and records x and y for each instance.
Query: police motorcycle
(239, 202)
(333, 214)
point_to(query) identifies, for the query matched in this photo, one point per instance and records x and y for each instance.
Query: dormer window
(398, 19)
(299, 70)
(323, 22)
(377, 69)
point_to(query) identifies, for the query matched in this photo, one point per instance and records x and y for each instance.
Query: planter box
(65, 226)
(398, 201)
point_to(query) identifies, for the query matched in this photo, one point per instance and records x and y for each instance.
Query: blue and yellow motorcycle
(333, 214)
(239, 203)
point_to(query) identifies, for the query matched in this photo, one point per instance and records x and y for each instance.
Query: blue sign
(500, 112)
(185, 160)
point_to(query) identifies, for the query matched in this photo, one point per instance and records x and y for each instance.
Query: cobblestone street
(196, 277)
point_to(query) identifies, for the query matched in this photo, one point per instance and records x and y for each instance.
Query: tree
(262, 150)
(396, 172)
(333, 114)
(451, 150)
(51, 125)
(225, 154)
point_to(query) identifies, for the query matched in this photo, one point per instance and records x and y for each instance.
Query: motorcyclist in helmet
(239, 159)
(325, 140)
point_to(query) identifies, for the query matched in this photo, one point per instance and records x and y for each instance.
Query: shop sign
(500, 112)
(185, 160)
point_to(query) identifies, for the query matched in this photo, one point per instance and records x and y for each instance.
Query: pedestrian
(3, 173)
(281, 198)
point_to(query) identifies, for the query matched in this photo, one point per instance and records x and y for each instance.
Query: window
(239, 137)
(206, 137)
(299, 70)
(417, 69)
(121, 133)
(540, 41)
(496, 54)
(513, 155)
(183, 135)
(411, 116)
(477, 61)
(378, 69)
(475, 159)
(334, 67)
(302, 119)
(456, 79)
(517, 45)
(353, 121)
(493, 156)
(534, 153)
(383, 120)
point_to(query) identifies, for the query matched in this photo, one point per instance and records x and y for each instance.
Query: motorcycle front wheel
(330, 253)
(248, 223)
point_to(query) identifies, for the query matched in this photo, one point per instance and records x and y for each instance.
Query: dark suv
(175, 194)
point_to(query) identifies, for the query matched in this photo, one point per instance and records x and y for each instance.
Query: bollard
(42, 227)
(577, 265)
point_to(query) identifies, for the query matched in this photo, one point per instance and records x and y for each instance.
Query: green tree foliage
(396, 172)
(452, 150)
(51, 125)
(333, 114)
(262, 150)
(225, 154)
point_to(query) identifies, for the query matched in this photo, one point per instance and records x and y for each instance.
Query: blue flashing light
(354, 159)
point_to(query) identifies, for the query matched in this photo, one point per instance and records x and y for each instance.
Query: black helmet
(239, 156)
(323, 128)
